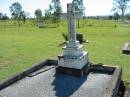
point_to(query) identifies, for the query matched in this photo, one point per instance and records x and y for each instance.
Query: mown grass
(22, 47)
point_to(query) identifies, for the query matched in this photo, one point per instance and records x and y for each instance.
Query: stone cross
(71, 22)
(73, 56)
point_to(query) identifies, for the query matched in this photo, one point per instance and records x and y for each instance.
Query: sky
(93, 7)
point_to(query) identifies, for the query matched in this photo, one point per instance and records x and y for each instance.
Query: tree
(3, 16)
(27, 15)
(120, 6)
(38, 14)
(15, 9)
(47, 14)
(17, 12)
(79, 7)
(22, 16)
(116, 16)
(128, 16)
(56, 10)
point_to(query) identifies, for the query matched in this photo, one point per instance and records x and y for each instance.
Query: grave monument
(73, 55)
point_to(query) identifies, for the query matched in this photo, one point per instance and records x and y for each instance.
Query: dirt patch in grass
(3, 61)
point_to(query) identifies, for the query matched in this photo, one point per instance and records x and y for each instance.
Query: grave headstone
(40, 24)
(126, 48)
(73, 55)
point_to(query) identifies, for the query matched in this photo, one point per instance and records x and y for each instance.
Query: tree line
(3, 16)
(55, 10)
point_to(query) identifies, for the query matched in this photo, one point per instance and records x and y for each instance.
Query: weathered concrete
(27, 72)
(42, 81)
(47, 84)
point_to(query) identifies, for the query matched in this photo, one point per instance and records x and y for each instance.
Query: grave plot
(72, 75)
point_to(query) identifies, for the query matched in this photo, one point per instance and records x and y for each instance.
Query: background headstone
(41, 24)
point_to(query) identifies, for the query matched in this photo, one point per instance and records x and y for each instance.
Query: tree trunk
(78, 23)
(18, 22)
(122, 16)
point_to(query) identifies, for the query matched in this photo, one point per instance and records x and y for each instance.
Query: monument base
(76, 62)
(72, 71)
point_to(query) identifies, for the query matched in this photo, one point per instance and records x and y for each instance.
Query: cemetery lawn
(21, 48)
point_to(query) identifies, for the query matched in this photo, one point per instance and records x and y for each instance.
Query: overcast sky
(93, 7)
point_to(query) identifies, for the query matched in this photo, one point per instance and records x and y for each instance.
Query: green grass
(22, 47)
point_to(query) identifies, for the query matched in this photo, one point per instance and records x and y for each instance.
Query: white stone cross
(73, 56)
(71, 22)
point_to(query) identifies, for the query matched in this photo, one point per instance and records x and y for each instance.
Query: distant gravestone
(126, 49)
(41, 24)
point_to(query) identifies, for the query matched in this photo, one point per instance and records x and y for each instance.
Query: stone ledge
(113, 87)
(25, 73)
(125, 49)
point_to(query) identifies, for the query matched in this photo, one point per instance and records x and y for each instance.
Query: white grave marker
(73, 55)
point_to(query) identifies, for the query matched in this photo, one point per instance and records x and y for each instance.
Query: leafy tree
(56, 10)
(27, 15)
(120, 6)
(79, 7)
(15, 9)
(116, 16)
(3, 16)
(22, 16)
(128, 16)
(38, 14)
(110, 17)
(47, 14)
(17, 12)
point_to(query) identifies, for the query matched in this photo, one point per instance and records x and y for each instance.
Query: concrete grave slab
(50, 84)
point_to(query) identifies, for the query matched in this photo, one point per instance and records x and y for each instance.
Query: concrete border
(25, 73)
(125, 49)
(113, 87)
(110, 91)
(102, 68)
(74, 72)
